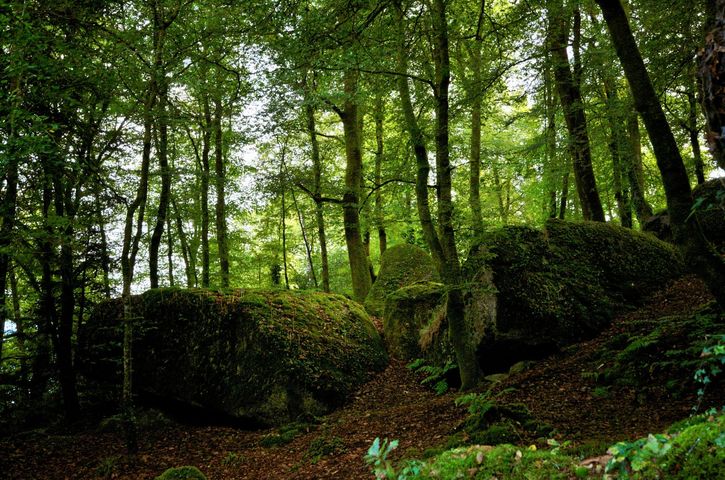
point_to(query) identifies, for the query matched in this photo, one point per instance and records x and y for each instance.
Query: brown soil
(392, 405)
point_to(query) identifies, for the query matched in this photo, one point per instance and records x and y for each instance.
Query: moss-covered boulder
(267, 357)
(400, 265)
(561, 284)
(407, 311)
(710, 210)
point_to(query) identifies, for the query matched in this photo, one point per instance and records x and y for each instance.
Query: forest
(387, 239)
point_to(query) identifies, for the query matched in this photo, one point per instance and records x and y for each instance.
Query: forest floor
(393, 405)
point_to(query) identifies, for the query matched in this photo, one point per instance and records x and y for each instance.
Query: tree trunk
(221, 209)
(457, 331)
(572, 103)
(635, 171)
(712, 81)
(379, 114)
(64, 347)
(564, 195)
(359, 271)
(706, 262)
(618, 145)
(204, 192)
(694, 133)
(474, 180)
(162, 147)
(189, 267)
(319, 207)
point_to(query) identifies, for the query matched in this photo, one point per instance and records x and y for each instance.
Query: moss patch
(564, 284)
(270, 357)
(182, 473)
(407, 311)
(400, 265)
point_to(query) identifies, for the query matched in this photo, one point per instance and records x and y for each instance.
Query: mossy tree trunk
(699, 256)
(357, 257)
(442, 242)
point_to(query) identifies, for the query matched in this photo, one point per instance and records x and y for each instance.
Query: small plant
(232, 458)
(628, 457)
(377, 458)
(713, 361)
(324, 446)
(107, 466)
(435, 375)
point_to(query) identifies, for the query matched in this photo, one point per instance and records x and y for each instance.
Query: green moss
(323, 446)
(565, 283)
(400, 265)
(407, 311)
(504, 461)
(268, 356)
(182, 473)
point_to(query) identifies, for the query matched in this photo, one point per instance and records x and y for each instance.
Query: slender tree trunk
(635, 171)
(189, 267)
(572, 103)
(283, 225)
(457, 331)
(419, 148)
(319, 207)
(128, 261)
(221, 209)
(359, 270)
(303, 229)
(618, 145)
(703, 260)
(564, 194)
(20, 335)
(474, 180)
(170, 251)
(694, 133)
(204, 192)
(379, 114)
(552, 163)
(162, 147)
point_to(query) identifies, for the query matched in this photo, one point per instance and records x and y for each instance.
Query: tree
(703, 260)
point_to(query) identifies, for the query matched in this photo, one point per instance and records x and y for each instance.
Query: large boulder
(262, 357)
(529, 292)
(407, 311)
(709, 212)
(563, 284)
(400, 265)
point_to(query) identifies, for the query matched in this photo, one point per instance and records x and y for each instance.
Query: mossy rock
(262, 357)
(698, 451)
(400, 265)
(407, 311)
(562, 284)
(710, 211)
(182, 473)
